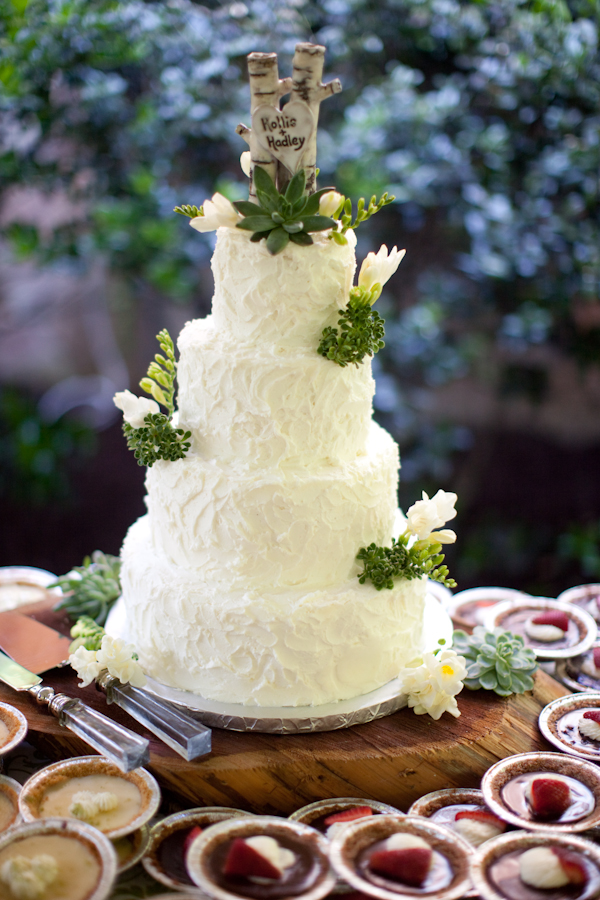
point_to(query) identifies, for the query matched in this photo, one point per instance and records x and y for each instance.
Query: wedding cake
(241, 582)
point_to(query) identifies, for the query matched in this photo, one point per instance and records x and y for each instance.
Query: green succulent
(496, 661)
(92, 588)
(281, 218)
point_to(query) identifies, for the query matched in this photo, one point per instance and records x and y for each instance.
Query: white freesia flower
(246, 162)
(427, 514)
(329, 203)
(86, 665)
(379, 267)
(433, 685)
(444, 536)
(217, 212)
(135, 409)
(117, 656)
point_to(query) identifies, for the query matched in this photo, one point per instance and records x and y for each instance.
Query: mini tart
(314, 813)
(487, 878)
(559, 723)
(513, 615)
(9, 803)
(579, 672)
(130, 848)
(442, 807)
(13, 728)
(42, 791)
(586, 596)
(164, 858)
(84, 842)
(449, 850)
(313, 876)
(504, 784)
(468, 608)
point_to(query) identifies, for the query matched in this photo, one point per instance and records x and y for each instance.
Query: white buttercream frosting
(241, 582)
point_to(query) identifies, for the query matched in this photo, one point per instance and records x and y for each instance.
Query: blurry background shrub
(482, 117)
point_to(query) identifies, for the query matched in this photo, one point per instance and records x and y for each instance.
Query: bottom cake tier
(268, 648)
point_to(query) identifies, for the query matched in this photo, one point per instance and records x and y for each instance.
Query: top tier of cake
(252, 388)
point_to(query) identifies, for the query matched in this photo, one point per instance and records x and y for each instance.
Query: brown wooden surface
(396, 759)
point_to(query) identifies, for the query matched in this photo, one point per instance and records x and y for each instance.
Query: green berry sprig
(359, 333)
(157, 439)
(423, 558)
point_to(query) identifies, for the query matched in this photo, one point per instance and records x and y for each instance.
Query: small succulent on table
(281, 218)
(496, 661)
(92, 588)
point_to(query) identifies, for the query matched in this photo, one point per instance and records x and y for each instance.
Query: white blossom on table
(246, 162)
(378, 268)
(429, 513)
(118, 657)
(433, 682)
(217, 212)
(135, 409)
(86, 665)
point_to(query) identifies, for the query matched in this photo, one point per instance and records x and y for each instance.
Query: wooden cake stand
(396, 759)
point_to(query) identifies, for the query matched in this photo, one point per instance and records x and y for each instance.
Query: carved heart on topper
(284, 133)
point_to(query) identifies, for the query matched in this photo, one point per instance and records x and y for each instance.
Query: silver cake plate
(294, 719)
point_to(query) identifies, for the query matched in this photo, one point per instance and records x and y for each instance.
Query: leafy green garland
(383, 564)
(157, 438)
(93, 590)
(360, 331)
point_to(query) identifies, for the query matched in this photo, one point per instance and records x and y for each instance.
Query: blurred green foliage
(35, 455)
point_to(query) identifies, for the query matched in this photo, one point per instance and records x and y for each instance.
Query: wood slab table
(395, 759)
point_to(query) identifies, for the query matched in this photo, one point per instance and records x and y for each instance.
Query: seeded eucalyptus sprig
(360, 331)
(383, 564)
(156, 439)
(93, 590)
(496, 661)
(281, 218)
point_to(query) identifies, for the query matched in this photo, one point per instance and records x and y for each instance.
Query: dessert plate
(294, 719)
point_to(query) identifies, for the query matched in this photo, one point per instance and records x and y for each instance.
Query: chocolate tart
(13, 728)
(53, 787)
(558, 722)
(314, 814)
(504, 785)
(468, 608)
(512, 615)
(495, 868)
(310, 876)
(88, 857)
(442, 806)
(164, 859)
(9, 803)
(586, 596)
(449, 876)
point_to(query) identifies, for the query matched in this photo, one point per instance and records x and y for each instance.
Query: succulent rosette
(496, 661)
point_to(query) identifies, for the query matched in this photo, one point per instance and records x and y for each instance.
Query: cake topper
(282, 141)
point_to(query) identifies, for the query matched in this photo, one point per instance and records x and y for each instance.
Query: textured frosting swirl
(271, 528)
(265, 647)
(262, 406)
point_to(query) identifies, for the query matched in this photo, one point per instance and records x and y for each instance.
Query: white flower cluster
(433, 683)
(135, 409)
(29, 877)
(427, 514)
(114, 655)
(87, 805)
(378, 268)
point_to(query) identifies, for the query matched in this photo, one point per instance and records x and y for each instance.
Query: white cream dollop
(545, 633)
(541, 868)
(28, 878)
(88, 805)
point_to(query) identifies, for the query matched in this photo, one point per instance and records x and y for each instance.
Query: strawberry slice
(552, 617)
(593, 714)
(549, 797)
(596, 655)
(190, 837)
(349, 815)
(571, 864)
(481, 815)
(244, 860)
(409, 866)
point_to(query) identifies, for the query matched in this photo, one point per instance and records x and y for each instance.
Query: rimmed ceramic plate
(13, 728)
(558, 722)
(295, 719)
(20, 585)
